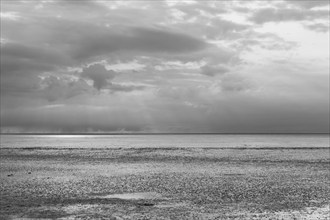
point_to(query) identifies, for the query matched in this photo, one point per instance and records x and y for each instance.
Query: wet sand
(165, 183)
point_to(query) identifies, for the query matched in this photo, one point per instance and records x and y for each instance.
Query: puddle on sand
(134, 196)
(161, 202)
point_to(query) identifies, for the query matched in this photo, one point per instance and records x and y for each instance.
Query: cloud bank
(140, 66)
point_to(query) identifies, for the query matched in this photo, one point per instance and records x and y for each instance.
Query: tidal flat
(164, 183)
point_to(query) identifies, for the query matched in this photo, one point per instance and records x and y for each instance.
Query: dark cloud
(21, 66)
(138, 40)
(82, 40)
(213, 70)
(225, 26)
(100, 76)
(23, 59)
(85, 4)
(116, 87)
(59, 89)
(19, 85)
(38, 53)
(166, 41)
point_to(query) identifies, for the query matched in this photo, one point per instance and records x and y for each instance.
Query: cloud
(309, 4)
(72, 118)
(18, 58)
(115, 87)
(30, 52)
(99, 75)
(287, 14)
(234, 83)
(81, 40)
(22, 65)
(267, 41)
(235, 113)
(138, 40)
(318, 27)
(23, 59)
(19, 85)
(255, 114)
(222, 27)
(58, 88)
(213, 70)
(205, 9)
(142, 66)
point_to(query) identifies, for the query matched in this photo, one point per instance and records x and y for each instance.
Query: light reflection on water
(154, 141)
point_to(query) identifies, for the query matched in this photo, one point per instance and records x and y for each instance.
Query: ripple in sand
(172, 205)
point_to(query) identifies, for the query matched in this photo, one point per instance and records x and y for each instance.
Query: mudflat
(165, 183)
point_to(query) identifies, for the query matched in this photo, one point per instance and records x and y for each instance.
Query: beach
(165, 183)
(164, 110)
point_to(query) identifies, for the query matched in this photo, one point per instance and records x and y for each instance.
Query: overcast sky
(164, 66)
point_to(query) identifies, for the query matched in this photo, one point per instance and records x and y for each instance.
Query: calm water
(131, 141)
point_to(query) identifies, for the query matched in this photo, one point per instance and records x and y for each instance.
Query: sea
(166, 141)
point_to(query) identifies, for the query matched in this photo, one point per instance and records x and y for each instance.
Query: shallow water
(161, 141)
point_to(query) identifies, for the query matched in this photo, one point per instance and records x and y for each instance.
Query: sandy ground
(170, 183)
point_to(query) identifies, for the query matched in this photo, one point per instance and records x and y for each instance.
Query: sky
(165, 66)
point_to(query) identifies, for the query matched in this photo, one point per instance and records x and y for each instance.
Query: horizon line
(166, 133)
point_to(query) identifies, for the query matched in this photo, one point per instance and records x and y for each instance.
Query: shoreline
(183, 133)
